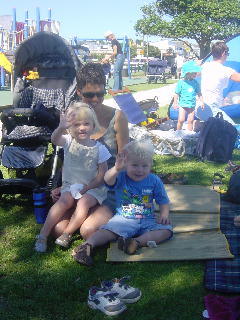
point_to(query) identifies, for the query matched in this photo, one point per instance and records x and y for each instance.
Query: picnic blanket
(224, 275)
(195, 217)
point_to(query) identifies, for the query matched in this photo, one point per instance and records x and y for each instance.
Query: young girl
(135, 222)
(84, 163)
(185, 94)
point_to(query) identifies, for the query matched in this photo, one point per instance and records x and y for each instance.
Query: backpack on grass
(216, 140)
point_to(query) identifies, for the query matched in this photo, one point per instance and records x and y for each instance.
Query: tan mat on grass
(187, 222)
(193, 199)
(199, 245)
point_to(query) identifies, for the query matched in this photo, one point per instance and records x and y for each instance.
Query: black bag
(168, 125)
(217, 139)
(233, 192)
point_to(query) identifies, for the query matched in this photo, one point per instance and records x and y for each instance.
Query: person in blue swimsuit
(185, 94)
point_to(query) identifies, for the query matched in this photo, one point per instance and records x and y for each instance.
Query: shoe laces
(122, 282)
(103, 292)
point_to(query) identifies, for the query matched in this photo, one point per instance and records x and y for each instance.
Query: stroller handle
(19, 111)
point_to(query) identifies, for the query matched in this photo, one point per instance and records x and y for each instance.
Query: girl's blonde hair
(143, 150)
(83, 111)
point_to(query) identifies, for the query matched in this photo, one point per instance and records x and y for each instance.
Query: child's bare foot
(237, 221)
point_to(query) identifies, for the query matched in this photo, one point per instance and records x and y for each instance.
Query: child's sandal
(82, 254)
(128, 245)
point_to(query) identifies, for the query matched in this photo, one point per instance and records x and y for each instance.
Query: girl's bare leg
(59, 228)
(57, 211)
(181, 118)
(190, 120)
(81, 212)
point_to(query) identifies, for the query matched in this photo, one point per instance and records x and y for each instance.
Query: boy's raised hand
(120, 161)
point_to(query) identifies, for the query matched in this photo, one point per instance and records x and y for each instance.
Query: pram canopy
(50, 53)
(156, 66)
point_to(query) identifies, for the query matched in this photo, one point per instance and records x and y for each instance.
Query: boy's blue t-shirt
(136, 198)
(187, 91)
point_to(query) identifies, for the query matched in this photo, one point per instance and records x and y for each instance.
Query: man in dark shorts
(119, 61)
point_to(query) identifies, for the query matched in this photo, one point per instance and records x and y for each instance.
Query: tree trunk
(205, 49)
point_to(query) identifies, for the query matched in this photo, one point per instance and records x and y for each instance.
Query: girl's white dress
(81, 166)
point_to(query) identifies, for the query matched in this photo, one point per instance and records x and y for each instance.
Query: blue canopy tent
(232, 92)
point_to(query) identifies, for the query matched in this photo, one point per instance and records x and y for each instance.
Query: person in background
(215, 76)
(185, 94)
(119, 61)
(135, 222)
(179, 60)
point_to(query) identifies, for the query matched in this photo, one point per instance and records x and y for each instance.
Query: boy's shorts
(129, 228)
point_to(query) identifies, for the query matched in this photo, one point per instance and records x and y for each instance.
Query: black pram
(156, 70)
(39, 97)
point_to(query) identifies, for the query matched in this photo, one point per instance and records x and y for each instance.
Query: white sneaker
(41, 244)
(105, 301)
(125, 292)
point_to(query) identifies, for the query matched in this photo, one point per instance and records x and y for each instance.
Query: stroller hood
(50, 53)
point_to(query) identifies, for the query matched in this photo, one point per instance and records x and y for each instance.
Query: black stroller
(45, 71)
(156, 70)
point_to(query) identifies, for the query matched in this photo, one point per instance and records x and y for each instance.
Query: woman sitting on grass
(135, 222)
(113, 134)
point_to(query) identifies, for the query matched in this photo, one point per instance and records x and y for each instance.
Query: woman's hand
(175, 106)
(120, 161)
(55, 194)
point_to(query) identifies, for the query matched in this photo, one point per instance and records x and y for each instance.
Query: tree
(152, 51)
(199, 20)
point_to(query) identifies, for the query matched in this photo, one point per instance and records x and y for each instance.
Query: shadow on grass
(53, 286)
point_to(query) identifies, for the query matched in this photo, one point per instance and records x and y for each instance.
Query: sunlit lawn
(52, 286)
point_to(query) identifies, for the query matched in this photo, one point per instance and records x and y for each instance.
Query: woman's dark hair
(91, 73)
(218, 49)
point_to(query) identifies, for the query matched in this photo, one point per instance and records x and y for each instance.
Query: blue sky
(83, 18)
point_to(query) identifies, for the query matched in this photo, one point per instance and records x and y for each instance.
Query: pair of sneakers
(111, 297)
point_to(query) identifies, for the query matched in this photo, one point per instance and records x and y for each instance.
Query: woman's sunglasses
(91, 95)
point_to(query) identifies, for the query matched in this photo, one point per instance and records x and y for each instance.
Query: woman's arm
(122, 132)
(98, 180)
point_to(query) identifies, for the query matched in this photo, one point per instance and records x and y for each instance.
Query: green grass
(145, 86)
(52, 286)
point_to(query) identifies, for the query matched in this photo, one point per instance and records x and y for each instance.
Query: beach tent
(232, 92)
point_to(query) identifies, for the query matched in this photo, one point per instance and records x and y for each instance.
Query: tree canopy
(199, 20)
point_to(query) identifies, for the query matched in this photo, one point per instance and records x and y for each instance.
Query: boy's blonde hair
(83, 111)
(143, 150)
